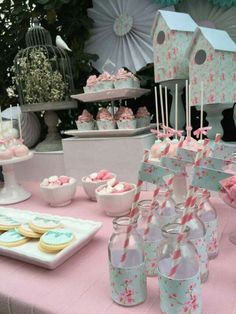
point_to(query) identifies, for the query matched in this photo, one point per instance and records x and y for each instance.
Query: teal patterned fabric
(167, 2)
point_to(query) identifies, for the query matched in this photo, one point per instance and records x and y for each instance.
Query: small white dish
(115, 204)
(90, 187)
(59, 196)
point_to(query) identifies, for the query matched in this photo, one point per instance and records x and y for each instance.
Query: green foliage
(40, 83)
(67, 18)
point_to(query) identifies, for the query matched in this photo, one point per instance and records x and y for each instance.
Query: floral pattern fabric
(128, 285)
(201, 247)
(180, 296)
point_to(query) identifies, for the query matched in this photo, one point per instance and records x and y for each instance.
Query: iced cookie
(12, 238)
(7, 223)
(26, 231)
(56, 240)
(42, 225)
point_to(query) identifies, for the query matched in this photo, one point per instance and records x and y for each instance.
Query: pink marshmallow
(108, 176)
(101, 174)
(64, 179)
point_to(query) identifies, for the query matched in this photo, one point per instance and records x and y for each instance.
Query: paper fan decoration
(206, 14)
(122, 33)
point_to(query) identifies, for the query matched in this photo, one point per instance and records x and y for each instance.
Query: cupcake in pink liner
(115, 198)
(105, 120)
(143, 117)
(85, 121)
(105, 81)
(119, 112)
(126, 119)
(91, 84)
(125, 79)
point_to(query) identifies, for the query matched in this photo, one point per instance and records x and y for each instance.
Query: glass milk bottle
(153, 238)
(126, 265)
(180, 291)
(197, 235)
(207, 213)
(167, 214)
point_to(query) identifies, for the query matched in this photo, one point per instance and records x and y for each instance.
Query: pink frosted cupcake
(126, 119)
(105, 120)
(91, 84)
(105, 81)
(85, 121)
(143, 117)
(125, 79)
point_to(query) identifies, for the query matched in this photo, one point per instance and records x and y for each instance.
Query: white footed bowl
(59, 196)
(90, 187)
(116, 204)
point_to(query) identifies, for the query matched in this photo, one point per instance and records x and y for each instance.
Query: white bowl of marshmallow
(58, 191)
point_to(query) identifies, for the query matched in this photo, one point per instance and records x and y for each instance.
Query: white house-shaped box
(212, 60)
(172, 33)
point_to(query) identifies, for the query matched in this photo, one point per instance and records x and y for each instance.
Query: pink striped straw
(134, 210)
(217, 138)
(155, 196)
(187, 216)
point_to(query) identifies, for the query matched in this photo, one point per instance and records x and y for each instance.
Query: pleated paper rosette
(121, 33)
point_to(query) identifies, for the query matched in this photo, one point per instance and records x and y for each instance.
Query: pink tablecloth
(81, 285)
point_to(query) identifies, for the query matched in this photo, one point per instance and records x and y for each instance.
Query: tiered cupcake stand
(12, 192)
(109, 96)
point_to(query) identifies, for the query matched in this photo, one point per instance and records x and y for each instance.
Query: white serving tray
(108, 133)
(111, 94)
(84, 231)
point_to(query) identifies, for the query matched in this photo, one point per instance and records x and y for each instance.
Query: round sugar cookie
(42, 224)
(26, 231)
(12, 238)
(56, 240)
(7, 223)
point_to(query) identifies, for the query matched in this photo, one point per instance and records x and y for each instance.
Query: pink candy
(54, 181)
(101, 175)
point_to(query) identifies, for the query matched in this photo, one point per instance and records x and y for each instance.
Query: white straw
(201, 116)
(176, 109)
(189, 107)
(162, 109)
(11, 116)
(19, 121)
(166, 106)
(186, 105)
(157, 114)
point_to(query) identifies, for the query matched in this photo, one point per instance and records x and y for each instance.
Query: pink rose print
(234, 77)
(223, 97)
(168, 57)
(222, 56)
(234, 97)
(234, 57)
(222, 77)
(210, 57)
(191, 305)
(169, 75)
(211, 98)
(175, 70)
(127, 296)
(210, 78)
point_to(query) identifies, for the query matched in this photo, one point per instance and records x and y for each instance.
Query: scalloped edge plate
(84, 231)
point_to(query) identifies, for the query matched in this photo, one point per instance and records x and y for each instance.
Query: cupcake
(105, 81)
(85, 121)
(143, 117)
(91, 84)
(105, 120)
(126, 119)
(125, 79)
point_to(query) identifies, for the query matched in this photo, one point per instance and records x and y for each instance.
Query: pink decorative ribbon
(202, 131)
(160, 134)
(172, 131)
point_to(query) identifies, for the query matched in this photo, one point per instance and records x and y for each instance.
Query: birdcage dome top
(37, 35)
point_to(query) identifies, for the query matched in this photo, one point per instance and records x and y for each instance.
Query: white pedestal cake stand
(12, 192)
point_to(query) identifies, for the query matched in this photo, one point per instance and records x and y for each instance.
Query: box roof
(218, 39)
(176, 21)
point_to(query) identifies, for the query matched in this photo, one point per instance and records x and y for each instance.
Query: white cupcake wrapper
(127, 124)
(85, 126)
(106, 125)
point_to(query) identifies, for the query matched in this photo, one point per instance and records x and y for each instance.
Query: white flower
(10, 92)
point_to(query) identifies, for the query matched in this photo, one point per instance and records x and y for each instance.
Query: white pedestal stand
(52, 141)
(181, 113)
(214, 117)
(12, 192)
